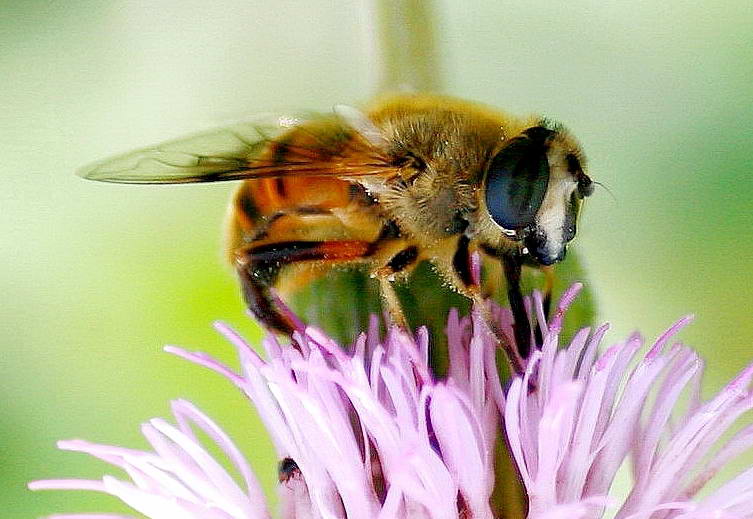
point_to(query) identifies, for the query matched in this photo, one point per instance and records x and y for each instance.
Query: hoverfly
(412, 178)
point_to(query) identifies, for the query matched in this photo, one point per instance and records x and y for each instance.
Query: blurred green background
(96, 278)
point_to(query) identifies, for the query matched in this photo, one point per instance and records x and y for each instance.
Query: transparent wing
(236, 152)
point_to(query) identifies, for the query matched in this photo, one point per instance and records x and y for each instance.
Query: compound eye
(517, 179)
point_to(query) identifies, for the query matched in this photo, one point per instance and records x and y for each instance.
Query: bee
(411, 178)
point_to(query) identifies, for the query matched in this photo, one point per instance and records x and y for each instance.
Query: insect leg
(512, 266)
(461, 266)
(392, 303)
(259, 266)
(398, 263)
(548, 288)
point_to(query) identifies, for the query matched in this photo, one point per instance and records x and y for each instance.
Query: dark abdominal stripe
(403, 259)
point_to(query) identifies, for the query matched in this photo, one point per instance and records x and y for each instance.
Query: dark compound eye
(517, 179)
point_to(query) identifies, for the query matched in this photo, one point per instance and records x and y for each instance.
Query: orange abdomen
(265, 198)
(278, 209)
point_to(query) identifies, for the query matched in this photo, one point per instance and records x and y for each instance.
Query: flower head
(369, 431)
(590, 413)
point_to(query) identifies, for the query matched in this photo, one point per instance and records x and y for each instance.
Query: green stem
(406, 46)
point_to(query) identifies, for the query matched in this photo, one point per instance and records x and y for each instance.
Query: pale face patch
(549, 239)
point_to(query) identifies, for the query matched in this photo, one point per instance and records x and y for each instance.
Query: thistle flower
(591, 412)
(371, 432)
